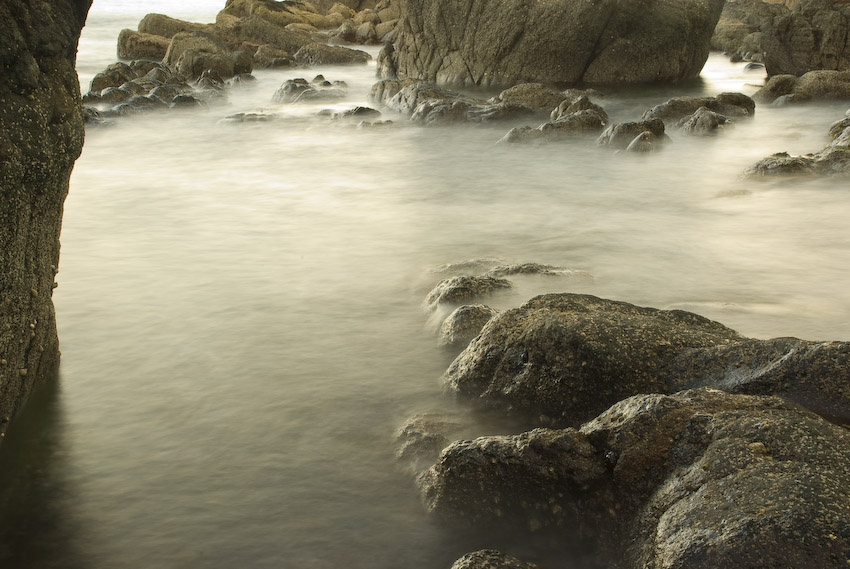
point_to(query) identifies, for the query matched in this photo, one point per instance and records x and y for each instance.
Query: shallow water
(240, 306)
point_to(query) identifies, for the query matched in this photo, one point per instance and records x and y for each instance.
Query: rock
(808, 35)
(421, 439)
(535, 96)
(134, 45)
(114, 75)
(677, 108)
(620, 136)
(167, 27)
(832, 160)
(699, 479)
(491, 559)
(356, 113)
(813, 86)
(341, 9)
(318, 54)
(267, 57)
(186, 102)
(366, 33)
(644, 142)
(258, 31)
(464, 324)
(192, 63)
(569, 125)
(281, 14)
(532, 269)
(300, 91)
(703, 123)
(462, 289)
(470, 267)
(560, 41)
(562, 358)
(41, 135)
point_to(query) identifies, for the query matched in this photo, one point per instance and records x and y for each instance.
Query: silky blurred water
(240, 306)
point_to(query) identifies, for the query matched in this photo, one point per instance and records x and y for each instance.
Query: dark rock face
(41, 135)
(703, 122)
(563, 358)
(474, 42)
(698, 479)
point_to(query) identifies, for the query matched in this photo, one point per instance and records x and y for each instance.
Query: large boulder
(135, 45)
(562, 358)
(41, 135)
(479, 42)
(699, 479)
(809, 35)
(822, 85)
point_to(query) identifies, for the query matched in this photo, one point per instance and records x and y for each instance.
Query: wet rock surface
(462, 289)
(464, 324)
(822, 85)
(678, 108)
(491, 559)
(560, 42)
(562, 358)
(701, 478)
(634, 136)
(41, 135)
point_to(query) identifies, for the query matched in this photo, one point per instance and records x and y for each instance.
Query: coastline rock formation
(41, 135)
(475, 43)
(700, 479)
(789, 37)
(560, 359)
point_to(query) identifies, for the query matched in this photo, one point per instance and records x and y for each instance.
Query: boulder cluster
(652, 438)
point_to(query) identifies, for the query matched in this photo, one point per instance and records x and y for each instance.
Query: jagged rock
(464, 324)
(41, 135)
(491, 559)
(813, 86)
(561, 41)
(462, 289)
(699, 479)
(703, 123)
(319, 54)
(620, 136)
(268, 57)
(562, 358)
(256, 30)
(114, 75)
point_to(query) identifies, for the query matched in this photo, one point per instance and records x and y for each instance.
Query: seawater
(240, 306)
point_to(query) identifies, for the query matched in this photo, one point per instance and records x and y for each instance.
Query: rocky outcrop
(699, 479)
(491, 559)
(41, 135)
(791, 37)
(563, 41)
(574, 116)
(832, 160)
(562, 358)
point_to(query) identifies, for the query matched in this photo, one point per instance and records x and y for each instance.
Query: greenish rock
(463, 289)
(41, 135)
(464, 324)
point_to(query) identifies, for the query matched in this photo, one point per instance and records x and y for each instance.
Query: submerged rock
(832, 160)
(621, 136)
(699, 479)
(703, 122)
(491, 559)
(677, 108)
(562, 358)
(464, 324)
(462, 289)
(301, 91)
(560, 41)
(421, 439)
